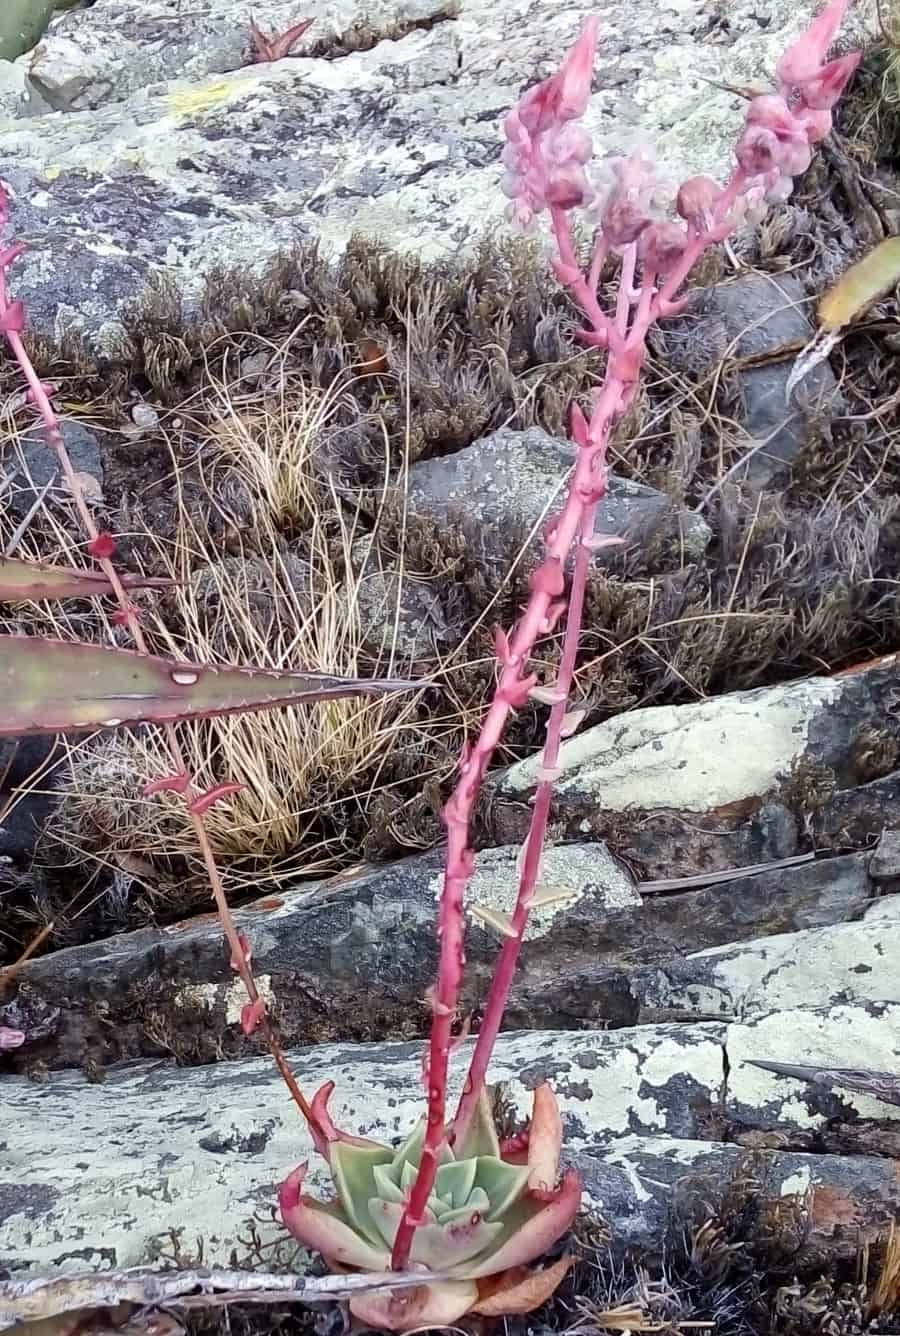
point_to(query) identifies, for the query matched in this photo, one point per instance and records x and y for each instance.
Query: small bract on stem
(546, 158)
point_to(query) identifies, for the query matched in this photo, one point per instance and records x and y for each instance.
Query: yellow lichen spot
(195, 101)
(52, 172)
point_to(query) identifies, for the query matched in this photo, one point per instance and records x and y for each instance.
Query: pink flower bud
(623, 222)
(564, 97)
(625, 213)
(758, 151)
(696, 200)
(803, 58)
(817, 124)
(567, 187)
(772, 111)
(661, 246)
(821, 92)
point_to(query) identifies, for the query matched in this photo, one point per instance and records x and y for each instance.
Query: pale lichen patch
(568, 873)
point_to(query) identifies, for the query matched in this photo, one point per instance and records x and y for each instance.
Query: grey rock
(88, 1180)
(698, 783)
(398, 615)
(884, 864)
(604, 957)
(91, 60)
(651, 1081)
(320, 947)
(862, 1035)
(400, 141)
(18, 95)
(27, 800)
(645, 1186)
(23, 820)
(754, 315)
(34, 463)
(512, 482)
(847, 963)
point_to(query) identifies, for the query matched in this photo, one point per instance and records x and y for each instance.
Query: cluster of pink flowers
(547, 152)
(783, 126)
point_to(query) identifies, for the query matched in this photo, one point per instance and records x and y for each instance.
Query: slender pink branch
(11, 322)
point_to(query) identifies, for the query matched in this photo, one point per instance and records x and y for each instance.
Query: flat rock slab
(101, 1175)
(729, 780)
(818, 968)
(605, 958)
(399, 141)
(644, 1185)
(862, 1037)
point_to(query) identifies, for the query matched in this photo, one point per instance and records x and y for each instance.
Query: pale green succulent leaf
(436, 1246)
(455, 1181)
(353, 1171)
(463, 1212)
(504, 1183)
(530, 1226)
(481, 1135)
(410, 1152)
(385, 1187)
(386, 1216)
(479, 1200)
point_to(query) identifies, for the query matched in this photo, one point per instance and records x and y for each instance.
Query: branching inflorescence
(413, 1205)
(469, 1211)
(546, 158)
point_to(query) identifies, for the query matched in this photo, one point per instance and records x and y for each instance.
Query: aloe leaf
(52, 686)
(22, 581)
(861, 285)
(22, 23)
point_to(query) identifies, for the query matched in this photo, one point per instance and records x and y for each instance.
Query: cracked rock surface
(174, 156)
(87, 1180)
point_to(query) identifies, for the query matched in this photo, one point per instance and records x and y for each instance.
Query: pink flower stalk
(102, 547)
(545, 160)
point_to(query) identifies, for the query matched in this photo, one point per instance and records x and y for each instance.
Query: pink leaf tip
(103, 547)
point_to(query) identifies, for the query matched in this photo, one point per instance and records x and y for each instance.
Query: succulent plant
(493, 1210)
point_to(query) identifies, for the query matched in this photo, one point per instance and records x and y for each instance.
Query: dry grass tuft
(277, 601)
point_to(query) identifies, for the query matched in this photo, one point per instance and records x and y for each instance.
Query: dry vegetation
(737, 1262)
(291, 408)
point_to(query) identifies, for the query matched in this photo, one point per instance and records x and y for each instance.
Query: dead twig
(40, 1299)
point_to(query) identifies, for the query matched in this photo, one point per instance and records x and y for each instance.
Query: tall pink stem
(612, 400)
(238, 954)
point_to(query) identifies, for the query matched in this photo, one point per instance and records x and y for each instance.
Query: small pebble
(144, 416)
